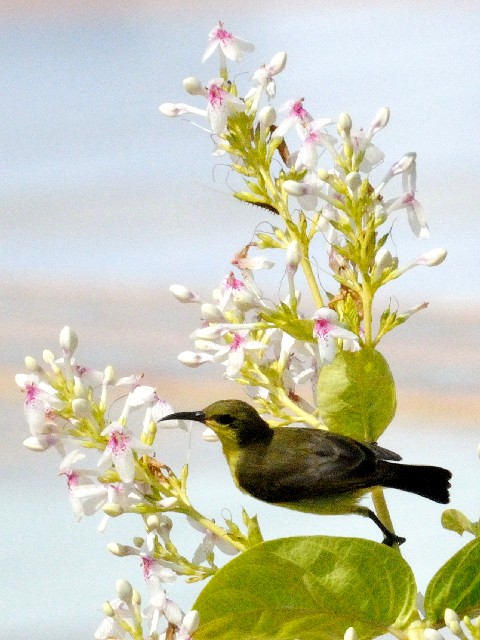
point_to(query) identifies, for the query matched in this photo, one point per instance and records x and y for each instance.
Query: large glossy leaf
(456, 585)
(307, 588)
(356, 394)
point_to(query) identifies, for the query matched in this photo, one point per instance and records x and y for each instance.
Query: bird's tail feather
(429, 482)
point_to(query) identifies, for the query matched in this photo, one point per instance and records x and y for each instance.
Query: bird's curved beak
(197, 416)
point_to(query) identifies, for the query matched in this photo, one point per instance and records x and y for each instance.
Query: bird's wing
(305, 464)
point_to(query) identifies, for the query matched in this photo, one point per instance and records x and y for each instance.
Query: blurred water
(105, 202)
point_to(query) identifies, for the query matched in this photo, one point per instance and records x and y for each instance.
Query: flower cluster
(275, 348)
(76, 410)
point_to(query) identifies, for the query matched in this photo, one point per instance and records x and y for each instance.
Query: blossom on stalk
(119, 451)
(229, 45)
(40, 399)
(85, 496)
(109, 628)
(297, 116)
(264, 76)
(220, 104)
(232, 355)
(417, 218)
(205, 549)
(327, 329)
(155, 572)
(313, 137)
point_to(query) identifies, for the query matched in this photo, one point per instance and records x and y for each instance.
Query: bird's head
(233, 421)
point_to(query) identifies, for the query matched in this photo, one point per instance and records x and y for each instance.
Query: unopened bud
(136, 598)
(79, 389)
(353, 181)
(108, 610)
(168, 503)
(152, 522)
(37, 444)
(294, 256)
(194, 87)
(191, 622)
(323, 175)
(344, 124)
(68, 339)
(380, 120)
(294, 188)
(432, 634)
(383, 259)
(212, 332)
(183, 294)
(450, 616)
(32, 365)
(170, 109)
(124, 590)
(80, 408)
(118, 549)
(432, 258)
(278, 62)
(112, 509)
(48, 356)
(350, 634)
(267, 116)
(193, 359)
(109, 375)
(211, 313)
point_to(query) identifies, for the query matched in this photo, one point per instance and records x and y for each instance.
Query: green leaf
(357, 394)
(455, 520)
(284, 318)
(310, 588)
(456, 585)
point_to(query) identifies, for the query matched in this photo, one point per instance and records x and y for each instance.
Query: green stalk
(214, 528)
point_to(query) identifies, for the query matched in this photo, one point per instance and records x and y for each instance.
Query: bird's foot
(390, 539)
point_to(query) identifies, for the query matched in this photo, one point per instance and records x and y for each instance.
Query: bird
(312, 470)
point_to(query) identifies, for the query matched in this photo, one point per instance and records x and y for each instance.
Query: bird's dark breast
(312, 464)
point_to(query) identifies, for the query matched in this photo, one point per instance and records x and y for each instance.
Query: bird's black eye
(225, 418)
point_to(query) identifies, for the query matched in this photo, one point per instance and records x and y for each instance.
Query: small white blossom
(230, 46)
(327, 329)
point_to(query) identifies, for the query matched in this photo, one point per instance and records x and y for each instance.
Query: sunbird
(309, 469)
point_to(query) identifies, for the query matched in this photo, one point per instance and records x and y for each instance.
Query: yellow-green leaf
(310, 588)
(456, 585)
(356, 394)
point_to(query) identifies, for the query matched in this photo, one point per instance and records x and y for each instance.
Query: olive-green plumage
(311, 470)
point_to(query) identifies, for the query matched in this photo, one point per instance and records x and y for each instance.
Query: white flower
(327, 329)
(417, 218)
(119, 451)
(297, 115)
(40, 398)
(230, 46)
(209, 542)
(313, 137)
(264, 76)
(220, 104)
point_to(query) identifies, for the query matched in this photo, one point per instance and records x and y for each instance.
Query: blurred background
(105, 202)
